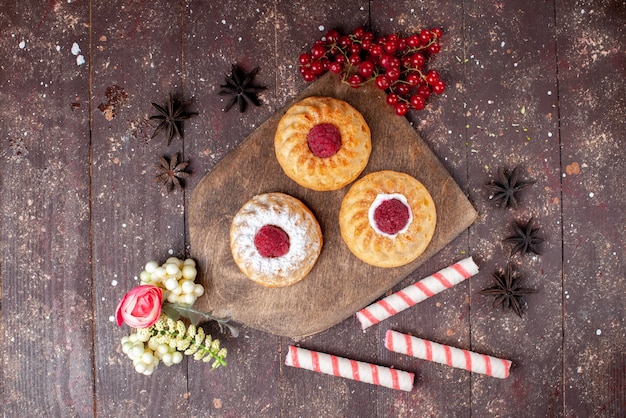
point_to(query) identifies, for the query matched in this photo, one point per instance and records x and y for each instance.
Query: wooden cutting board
(339, 284)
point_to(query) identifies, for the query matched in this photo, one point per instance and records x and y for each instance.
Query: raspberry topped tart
(387, 218)
(275, 239)
(322, 143)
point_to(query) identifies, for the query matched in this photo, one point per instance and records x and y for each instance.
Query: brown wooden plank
(512, 119)
(218, 35)
(136, 59)
(444, 318)
(47, 361)
(592, 68)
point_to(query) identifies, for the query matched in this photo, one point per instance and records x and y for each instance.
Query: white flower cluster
(166, 342)
(146, 353)
(176, 277)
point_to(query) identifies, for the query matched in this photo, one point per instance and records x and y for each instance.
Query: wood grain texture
(47, 351)
(592, 96)
(339, 284)
(79, 214)
(512, 118)
(136, 60)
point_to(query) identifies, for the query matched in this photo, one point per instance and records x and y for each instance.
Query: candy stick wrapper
(350, 369)
(439, 353)
(417, 292)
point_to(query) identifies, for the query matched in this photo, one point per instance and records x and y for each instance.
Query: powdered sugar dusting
(267, 210)
(380, 198)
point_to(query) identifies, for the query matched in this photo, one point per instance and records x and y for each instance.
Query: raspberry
(324, 140)
(391, 216)
(271, 241)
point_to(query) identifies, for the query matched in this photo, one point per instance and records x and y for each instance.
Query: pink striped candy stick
(350, 369)
(417, 292)
(444, 354)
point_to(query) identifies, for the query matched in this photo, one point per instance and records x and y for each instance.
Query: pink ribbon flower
(141, 307)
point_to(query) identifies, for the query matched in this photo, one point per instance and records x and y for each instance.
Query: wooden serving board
(339, 284)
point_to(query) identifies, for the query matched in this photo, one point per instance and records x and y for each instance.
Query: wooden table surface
(539, 84)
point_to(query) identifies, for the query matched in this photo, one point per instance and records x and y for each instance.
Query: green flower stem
(188, 340)
(176, 310)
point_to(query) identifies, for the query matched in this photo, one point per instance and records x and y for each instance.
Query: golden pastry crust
(374, 247)
(304, 167)
(294, 218)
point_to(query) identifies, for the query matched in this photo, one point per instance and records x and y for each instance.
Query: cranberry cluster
(395, 64)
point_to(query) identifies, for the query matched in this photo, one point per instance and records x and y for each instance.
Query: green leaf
(170, 311)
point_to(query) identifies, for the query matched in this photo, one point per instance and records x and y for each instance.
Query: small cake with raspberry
(322, 143)
(275, 239)
(387, 218)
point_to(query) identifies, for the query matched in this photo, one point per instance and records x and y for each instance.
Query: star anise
(240, 86)
(170, 173)
(526, 238)
(508, 291)
(504, 190)
(171, 117)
